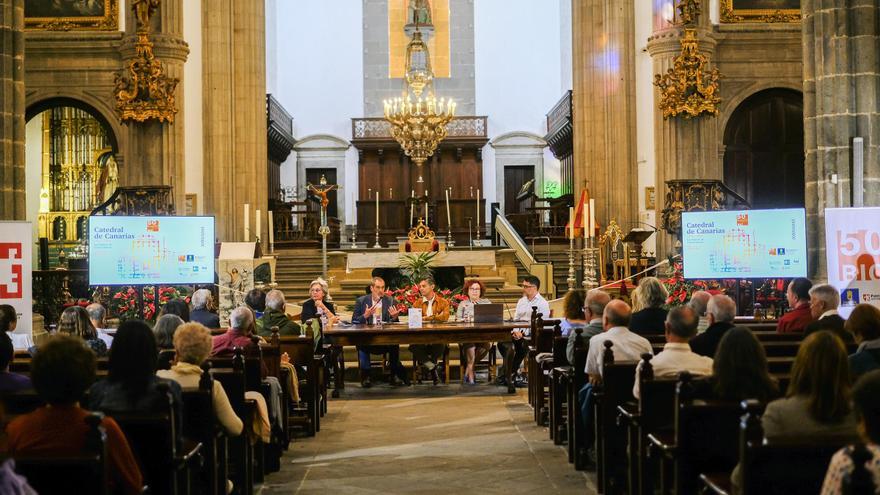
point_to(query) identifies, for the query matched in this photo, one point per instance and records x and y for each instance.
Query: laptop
(488, 313)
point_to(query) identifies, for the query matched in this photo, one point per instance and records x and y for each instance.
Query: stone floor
(425, 439)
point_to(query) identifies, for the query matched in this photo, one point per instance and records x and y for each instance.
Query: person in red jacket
(798, 297)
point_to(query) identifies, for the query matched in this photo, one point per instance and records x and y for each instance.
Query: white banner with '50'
(852, 251)
(16, 272)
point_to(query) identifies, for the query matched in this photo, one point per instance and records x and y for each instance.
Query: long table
(430, 333)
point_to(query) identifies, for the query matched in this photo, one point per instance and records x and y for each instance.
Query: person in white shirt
(531, 286)
(628, 346)
(681, 326)
(98, 316)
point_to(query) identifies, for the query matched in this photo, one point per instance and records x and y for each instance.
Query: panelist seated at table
(531, 285)
(473, 352)
(434, 309)
(372, 309)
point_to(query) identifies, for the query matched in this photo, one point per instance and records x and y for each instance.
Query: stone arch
(734, 101)
(38, 101)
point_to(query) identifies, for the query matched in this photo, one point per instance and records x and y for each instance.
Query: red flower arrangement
(124, 302)
(680, 290)
(409, 297)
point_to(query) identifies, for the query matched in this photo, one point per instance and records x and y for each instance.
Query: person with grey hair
(241, 328)
(677, 356)
(202, 312)
(824, 301)
(98, 317)
(164, 330)
(594, 307)
(274, 316)
(720, 311)
(699, 302)
(650, 297)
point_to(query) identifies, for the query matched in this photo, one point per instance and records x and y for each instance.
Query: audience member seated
(573, 306)
(274, 316)
(798, 297)
(192, 341)
(594, 307)
(824, 301)
(474, 353)
(370, 309)
(319, 306)
(8, 323)
(864, 325)
(531, 287)
(681, 326)
(177, 307)
(10, 382)
(256, 300)
(866, 403)
(164, 330)
(817, 403)
(75, 321)
(131, 384)
(700, 304)
(98, 317)
(61, 372)
(649, 317)
(434, 309)
(203, 309)
(241, 328)
(628, 346)
(739, 370)
(721, 312)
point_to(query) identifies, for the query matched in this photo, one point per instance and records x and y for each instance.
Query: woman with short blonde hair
(649, 316)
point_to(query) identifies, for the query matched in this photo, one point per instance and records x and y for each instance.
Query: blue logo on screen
(780, 251)
(786, 262)
(190, 258)
(850, 297)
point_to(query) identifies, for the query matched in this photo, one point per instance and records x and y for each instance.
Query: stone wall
(12, 110)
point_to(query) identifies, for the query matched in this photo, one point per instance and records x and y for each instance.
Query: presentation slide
(744, 244)
(151, 250)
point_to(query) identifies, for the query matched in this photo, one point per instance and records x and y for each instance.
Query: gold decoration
(689, 87)
(421, 232)
(418, 121)
(146, 92)
(688, 11)
(729, 13)
(70, 21)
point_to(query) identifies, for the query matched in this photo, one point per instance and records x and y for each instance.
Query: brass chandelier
(418, 120)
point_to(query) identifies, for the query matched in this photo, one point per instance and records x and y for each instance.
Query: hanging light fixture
(418, 120)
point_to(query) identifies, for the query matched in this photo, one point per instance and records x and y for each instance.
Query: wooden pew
(543, 333)
(200, 424)
(302, 353)
(164, 460)
(777, 467)
(556, 398)
(577, 448)
(618, 378)
(240, 448)
(86, 473)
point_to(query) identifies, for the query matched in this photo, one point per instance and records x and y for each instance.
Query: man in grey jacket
(594, 306)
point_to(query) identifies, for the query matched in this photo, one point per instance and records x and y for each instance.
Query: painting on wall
(67, 15)
(760, 10)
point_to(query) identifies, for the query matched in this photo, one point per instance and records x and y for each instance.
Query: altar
(391, 259)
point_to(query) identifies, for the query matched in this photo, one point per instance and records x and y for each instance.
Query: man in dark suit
(371, 309)
(721, 311)
(824, 301)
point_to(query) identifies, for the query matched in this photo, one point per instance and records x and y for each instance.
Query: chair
(311, 387)
(85, 473)
(418, 373)
(240, 449)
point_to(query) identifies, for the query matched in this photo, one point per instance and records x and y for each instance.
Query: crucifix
(321, 190)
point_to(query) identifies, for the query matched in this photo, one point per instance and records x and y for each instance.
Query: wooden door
(313, 176)
(514, 178)
(764, 149)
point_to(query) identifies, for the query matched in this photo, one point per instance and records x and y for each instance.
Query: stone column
(603, 101)
(234, 78)
(12, 183)
(684, 148)
(156, 150)
(841, 87)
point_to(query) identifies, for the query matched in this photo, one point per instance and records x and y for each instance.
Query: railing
(138, 200)
(544, 271)
(459, 127)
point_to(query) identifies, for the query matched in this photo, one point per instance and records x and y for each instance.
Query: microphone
(506, 306)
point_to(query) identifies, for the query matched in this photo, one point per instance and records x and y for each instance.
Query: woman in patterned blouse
(866, 402)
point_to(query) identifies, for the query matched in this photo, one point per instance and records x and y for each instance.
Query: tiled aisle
(426, 439)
